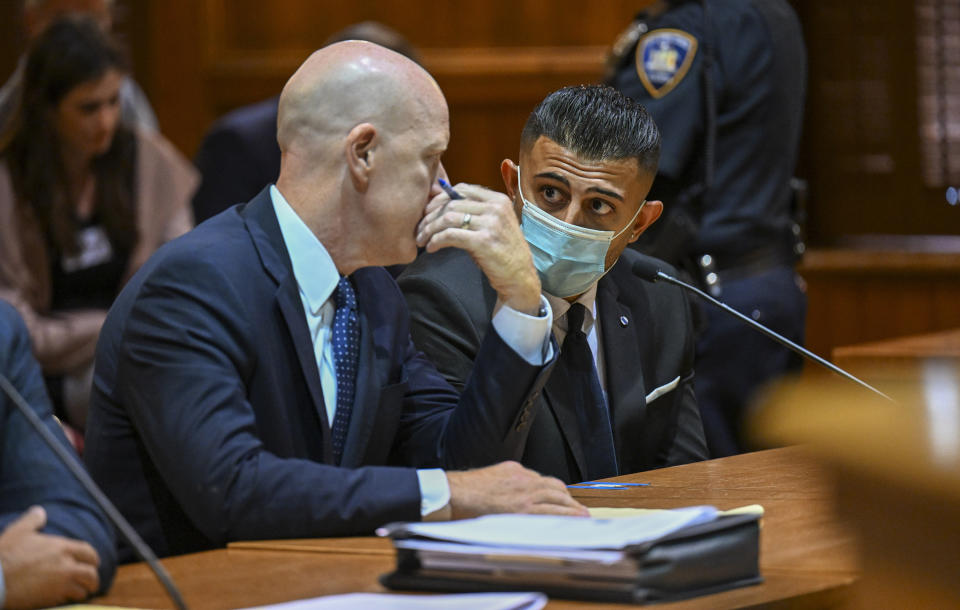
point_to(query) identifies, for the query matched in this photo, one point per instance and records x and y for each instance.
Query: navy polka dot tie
(346, 349)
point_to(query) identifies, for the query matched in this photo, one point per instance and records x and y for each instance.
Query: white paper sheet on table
(383, 601)
(552, 532)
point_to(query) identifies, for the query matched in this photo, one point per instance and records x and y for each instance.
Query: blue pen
(449, 189)
(607, 485)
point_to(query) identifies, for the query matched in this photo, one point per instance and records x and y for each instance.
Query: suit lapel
(621, 333)
(264, 229)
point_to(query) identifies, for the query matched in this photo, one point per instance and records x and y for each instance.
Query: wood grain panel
(861, 151)
(494, 61)
(866, 294)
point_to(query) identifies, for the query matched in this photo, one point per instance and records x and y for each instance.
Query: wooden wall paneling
(172, 75)
(861, 145)
(865, 295)
(495, 61)
(831, 306)
(492, 91)
(253, 24)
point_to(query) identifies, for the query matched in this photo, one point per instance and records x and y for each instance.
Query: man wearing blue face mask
(620, 398)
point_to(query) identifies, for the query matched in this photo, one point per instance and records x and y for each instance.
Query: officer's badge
(664, 57)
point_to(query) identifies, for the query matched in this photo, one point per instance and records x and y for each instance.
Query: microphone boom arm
(74, 466)
(645, 273)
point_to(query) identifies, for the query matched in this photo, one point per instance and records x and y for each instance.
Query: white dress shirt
(317, 277)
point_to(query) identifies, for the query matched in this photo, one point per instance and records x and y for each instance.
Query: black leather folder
(696, 560)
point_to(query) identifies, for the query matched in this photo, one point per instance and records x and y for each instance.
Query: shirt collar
(315, 271)
(560, 306)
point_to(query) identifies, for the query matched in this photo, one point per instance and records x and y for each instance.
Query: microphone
(73, 465)
(649, 269)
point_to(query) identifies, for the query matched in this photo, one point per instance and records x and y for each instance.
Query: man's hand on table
(42, 570)
(508, 487)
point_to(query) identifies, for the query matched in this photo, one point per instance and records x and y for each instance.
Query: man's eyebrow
(554, 176)
(592, 189)
(611, 194)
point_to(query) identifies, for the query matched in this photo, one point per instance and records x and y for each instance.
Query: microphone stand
(647, 271)
(74, 466)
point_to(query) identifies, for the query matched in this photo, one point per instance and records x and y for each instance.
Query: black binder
(696, 560)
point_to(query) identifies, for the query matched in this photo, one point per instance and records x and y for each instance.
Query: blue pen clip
(449, 189)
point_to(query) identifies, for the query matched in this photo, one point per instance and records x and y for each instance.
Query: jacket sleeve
(186, 348)
(442, 328)
(30, 473)
(498, 388)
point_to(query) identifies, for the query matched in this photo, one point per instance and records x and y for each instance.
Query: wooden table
(807, 557)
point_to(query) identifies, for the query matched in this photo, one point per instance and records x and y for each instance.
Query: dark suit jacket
(207, 421)
(647, 342)
(30, 473)
(237, 158)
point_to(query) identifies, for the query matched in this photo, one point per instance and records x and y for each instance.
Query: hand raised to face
(484, 224)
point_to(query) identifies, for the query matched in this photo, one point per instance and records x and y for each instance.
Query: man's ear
(508, 170)
(360, 145)
(648, 215)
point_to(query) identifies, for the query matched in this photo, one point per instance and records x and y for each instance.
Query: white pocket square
(657, 393)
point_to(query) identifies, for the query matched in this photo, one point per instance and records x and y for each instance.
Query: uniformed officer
(725, 82)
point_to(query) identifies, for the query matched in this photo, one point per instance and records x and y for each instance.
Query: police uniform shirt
(759, 79)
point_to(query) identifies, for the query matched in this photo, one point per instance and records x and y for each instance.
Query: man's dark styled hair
(597, 123)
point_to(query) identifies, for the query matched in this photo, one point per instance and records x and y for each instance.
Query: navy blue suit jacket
(30, 473)
(237, 158)
(207, 422)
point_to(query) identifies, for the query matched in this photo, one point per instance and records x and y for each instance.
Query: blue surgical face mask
(568, 258)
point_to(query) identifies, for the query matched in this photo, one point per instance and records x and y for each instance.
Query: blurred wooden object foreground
(897, 467)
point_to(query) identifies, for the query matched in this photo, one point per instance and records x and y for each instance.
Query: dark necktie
(346, 349)
(576, 360)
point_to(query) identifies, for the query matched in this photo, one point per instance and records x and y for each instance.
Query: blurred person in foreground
(620, 399)
(256, 378)
(84, 201)
(56, 546)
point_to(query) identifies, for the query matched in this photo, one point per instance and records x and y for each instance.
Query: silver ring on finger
(467, 217)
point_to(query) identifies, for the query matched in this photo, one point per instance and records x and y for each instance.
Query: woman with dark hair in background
(84, 201)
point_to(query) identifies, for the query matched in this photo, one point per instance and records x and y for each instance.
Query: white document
(383, 601)
(553, 532)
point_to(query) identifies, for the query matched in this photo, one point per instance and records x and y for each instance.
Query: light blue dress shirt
(317, 277)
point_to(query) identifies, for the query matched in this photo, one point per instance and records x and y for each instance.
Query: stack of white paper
(552, 532)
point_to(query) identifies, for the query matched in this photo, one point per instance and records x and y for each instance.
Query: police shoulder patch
(664, 57)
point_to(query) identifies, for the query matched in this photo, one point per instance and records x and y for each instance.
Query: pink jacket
(64, 341)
